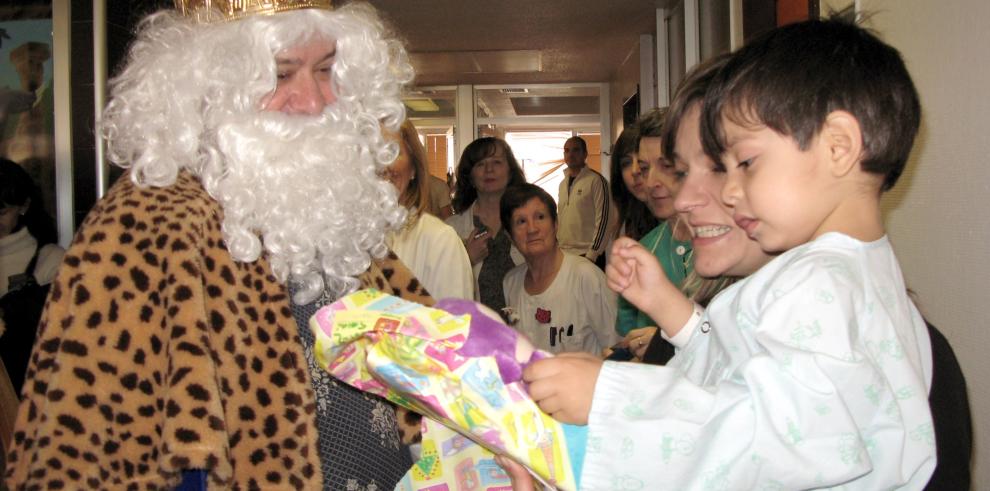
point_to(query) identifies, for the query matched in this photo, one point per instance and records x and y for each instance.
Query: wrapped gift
(452, 461)
(457, 364)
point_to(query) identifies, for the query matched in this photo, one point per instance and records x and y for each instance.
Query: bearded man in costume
(174, 342)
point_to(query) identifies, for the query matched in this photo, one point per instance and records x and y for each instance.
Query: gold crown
(207, 10)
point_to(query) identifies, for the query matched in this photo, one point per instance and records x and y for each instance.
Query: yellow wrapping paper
(456, 364)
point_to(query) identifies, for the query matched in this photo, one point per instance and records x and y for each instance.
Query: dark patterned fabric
(358, 438)
(494, 268)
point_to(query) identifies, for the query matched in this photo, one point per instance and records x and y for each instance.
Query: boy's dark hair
(464, 191)
(690, 91)
(792, 77)
(516, 197)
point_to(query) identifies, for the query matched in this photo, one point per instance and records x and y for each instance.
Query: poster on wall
(27, 97)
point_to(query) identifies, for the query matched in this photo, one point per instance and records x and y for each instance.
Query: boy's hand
(563, 386)
(636, 274)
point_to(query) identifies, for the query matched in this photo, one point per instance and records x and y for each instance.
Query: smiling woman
(561, 301)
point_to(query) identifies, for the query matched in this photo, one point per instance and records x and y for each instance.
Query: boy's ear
(843, 140)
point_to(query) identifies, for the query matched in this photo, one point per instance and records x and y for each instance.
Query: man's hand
(477, 245)
(521, 480)
(563, 386)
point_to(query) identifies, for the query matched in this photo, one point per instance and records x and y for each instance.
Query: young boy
(814, 371)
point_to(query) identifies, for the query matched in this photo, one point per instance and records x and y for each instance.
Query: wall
(790, 11)
(934, 215)
(713, 31)
(623, 85)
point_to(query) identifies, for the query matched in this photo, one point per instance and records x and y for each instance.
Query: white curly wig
(303, 189)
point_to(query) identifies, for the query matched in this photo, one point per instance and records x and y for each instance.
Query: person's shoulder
(833, 258)
(436, 225)
(438, 229)
(581, 266)
(462, 223)
(50, 253)
(516, 274)
(587, 172)
(832, 252)
(439, 192)
(512, 282)
(130, 214)
(651, 237)
(438, 185)
(185, 195)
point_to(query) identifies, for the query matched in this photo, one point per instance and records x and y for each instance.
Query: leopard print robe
(157, 353)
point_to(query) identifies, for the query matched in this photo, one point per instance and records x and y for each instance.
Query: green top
(674, 257)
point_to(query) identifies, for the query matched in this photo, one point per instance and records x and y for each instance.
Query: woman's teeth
(711, 230)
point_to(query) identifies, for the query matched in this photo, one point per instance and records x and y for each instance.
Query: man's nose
(306, 96)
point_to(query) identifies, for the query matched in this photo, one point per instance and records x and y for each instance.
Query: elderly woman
(486, 168)
(429, 247)
(560, 301)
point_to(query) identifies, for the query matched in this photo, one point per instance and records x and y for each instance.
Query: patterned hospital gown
(811, 373)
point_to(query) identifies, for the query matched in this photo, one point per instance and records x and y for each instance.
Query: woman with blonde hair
(429, 247)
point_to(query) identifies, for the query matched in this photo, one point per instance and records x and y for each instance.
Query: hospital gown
(811, 373)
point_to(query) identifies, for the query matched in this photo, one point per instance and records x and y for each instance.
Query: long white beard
(308, 187)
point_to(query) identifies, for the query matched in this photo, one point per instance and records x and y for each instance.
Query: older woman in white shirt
(559, 300)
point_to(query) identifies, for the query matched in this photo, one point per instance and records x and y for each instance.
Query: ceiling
(519, 41)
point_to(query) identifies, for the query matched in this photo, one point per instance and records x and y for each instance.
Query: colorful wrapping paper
(455, 364)
(451, 461)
